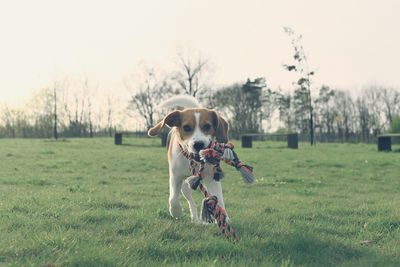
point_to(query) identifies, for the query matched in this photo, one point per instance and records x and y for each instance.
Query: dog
(192, 129)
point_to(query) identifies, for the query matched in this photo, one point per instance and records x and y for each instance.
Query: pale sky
(349, 43)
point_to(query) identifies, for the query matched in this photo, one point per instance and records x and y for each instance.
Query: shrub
(395, 125)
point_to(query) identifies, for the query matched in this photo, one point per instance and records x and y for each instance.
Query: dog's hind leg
(175, 208)
(187, 193)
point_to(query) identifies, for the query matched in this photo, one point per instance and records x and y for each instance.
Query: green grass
(87, 202)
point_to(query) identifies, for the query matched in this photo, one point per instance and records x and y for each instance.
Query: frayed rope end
(208, 207)
(247, 174)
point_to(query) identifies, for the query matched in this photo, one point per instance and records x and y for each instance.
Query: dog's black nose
(198, 146)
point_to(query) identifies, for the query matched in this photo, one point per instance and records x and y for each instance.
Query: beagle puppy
(192, 129)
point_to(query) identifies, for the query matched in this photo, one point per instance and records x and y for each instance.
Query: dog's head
(196, 127)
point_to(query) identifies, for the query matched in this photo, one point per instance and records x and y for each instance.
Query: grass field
(87, 202)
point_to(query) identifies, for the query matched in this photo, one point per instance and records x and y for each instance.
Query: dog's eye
(206, 127)
(187, 128)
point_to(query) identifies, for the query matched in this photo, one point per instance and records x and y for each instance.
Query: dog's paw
(196, 221)
(214, 222)
(207, 223)
(175, 210)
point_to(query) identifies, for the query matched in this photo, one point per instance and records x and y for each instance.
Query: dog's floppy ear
(221, 127)
(171, 120)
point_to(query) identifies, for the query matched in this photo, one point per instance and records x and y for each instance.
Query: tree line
(74, 107)
(250, 107)
(322, 114)
(63, 109)
(337, 115)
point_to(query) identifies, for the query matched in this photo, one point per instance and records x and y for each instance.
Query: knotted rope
(213, 155)
(211, 212)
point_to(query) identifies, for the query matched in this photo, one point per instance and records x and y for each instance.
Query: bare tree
(373, 100)
(345, 107)
(326, 111)
(303, 93)
(57, 86)
(66, 107)
(269, 106)
(391, 101)
(190, 74)
(74, 107)
(55, 110)
(109, 115)
(284, 102)
(88, 92)
(242, 105)
(363, 118)
(40, 108)
(8, 118)
(231, 102)
(149, 94)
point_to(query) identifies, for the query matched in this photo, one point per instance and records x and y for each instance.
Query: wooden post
(384, 143)
(118, 138)
(247, 141)
(293, 140)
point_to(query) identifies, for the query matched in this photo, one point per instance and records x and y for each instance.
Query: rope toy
(213, 155)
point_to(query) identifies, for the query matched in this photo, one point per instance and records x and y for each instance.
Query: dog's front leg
(187, 193)
(175, 184)
(215, 188)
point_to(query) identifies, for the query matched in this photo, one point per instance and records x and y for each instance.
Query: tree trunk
(311, 128)
(55, 114)
(90, 129)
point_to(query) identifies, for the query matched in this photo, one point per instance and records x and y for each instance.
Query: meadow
(87, 202)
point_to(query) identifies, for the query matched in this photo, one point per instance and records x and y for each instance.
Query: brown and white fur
(193, 129)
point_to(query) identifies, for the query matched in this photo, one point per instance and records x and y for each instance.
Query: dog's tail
(183, 101)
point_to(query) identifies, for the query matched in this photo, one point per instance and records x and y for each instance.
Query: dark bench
(385, 141)
(118, 138)
(292, 139)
